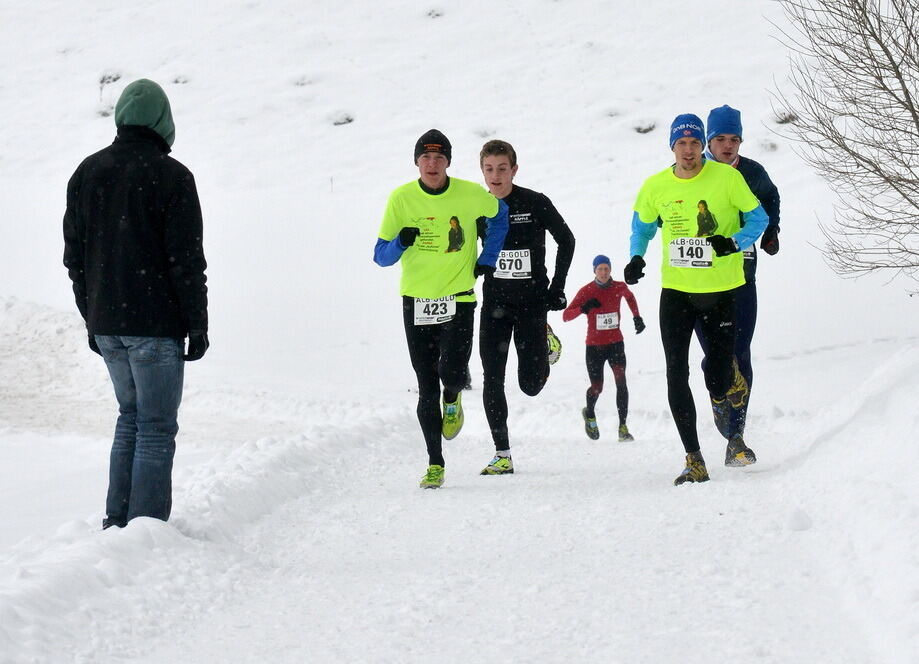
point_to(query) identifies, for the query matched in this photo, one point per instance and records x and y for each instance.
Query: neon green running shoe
(499, 466)
(590, 425)
(555, 345)
(452, 422)
(624, 435)
(433, 479)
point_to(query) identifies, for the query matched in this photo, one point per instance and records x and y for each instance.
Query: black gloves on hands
(770, 240)
(556, 300)
(639, 325)
(592, 303)
(93, 346)
(197, 346)
(633, 271)
(723, 246)
(481, 270)
(407, 236)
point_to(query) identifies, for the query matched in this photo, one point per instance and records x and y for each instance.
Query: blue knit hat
(684, 125)
(600, 259)
(723, 120)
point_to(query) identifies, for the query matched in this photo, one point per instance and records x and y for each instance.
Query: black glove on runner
(93, 346)
(723, 246)
(407, 236)
(556, 300)
(483, 269)
(770, 241)
(197, 346)
(639, 325)
(633, 271)
(592, 303)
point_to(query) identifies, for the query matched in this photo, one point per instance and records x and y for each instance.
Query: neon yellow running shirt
(692, 209)
(442, 260)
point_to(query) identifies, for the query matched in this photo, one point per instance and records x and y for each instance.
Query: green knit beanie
(144, 103)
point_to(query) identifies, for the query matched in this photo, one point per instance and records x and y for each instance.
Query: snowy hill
(298, 530)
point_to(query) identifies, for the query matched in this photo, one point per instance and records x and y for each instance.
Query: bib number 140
(690, 252)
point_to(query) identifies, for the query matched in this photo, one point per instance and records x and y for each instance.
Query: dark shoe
(108, 522)
(739, 390)
(734, 400)
(694, 471)
(738, 454)
(590, 425)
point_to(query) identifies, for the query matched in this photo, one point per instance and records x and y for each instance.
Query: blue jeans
(147, 373)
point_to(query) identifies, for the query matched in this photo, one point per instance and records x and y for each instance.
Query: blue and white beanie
(723, 120)
(684, 125)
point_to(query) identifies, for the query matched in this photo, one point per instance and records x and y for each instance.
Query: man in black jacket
(518, 294)
(724, 136)
(133, 250)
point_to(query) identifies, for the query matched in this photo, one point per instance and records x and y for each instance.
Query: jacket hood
(144, 103)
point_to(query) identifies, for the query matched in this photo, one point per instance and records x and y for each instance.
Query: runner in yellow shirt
(698, 204)
(429, 226)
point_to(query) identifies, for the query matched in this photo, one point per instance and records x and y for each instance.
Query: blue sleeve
(642, 234)
(755, 222)
(495, 232)
(387, 253)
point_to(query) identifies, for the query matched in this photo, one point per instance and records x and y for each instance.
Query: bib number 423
(433, 312)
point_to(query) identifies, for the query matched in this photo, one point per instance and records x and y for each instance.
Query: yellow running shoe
(452, 422)
(500, 465)
(555, 345)
(433, 479)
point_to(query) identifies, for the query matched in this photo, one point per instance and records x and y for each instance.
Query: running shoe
(624, 435)
(738, 454)
(590, 425)
(555, 345)
(452, 422)
(694, 471)
(433, 479)
(500, 465)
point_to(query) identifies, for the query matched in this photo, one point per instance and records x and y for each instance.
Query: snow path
(586, 552)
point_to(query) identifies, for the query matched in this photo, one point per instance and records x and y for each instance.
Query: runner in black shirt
(518, 294)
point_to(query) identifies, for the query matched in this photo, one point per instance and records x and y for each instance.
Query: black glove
(639, 325)
(592, 303)
(483, 269)
(770, 241)
(633, 271)
(197, 346)
(93, 346)
(722, 245)
(407, 236)
(555, 299)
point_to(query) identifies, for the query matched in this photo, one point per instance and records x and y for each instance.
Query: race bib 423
(434, 312)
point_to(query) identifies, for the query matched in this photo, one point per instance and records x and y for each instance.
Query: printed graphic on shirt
(520, 218)
(706, 220)
(455, 236)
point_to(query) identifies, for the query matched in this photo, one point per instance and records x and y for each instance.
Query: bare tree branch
(854, 68)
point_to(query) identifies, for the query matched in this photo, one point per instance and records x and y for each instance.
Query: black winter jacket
(133, 240)
(762, 187)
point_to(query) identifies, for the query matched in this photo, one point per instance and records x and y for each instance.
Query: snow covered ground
(298, 532)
